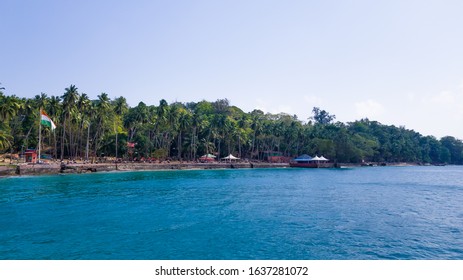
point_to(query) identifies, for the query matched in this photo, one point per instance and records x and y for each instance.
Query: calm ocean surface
(358, 213)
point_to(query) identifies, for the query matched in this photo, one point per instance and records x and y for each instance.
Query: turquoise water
(359, 213)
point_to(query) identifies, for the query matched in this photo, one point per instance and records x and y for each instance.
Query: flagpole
(40, 134)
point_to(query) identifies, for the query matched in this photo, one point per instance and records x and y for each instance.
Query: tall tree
(69, 102)
(322, 116)
(104, 115)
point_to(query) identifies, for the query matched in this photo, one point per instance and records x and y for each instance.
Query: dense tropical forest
(103, 127)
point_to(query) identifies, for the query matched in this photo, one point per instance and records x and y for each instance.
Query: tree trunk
(62, 139)
(179, 145)
(88, 141)
(116, 146)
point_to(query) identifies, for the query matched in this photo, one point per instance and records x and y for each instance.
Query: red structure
(31, 155)
(130, 148)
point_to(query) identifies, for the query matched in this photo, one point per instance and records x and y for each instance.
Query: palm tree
(219, 122)
(173, 125)
(162, 111)
(104, 113)
(120, 106)
(9, 107)
(5, 140)
(41, 100)
(84, 107)
(162, 116)
(195, 122)
(256, 125)
(184, 122)
(69, 97)
(7, 111)
(243, 127)
(54, 106)
(135, 121)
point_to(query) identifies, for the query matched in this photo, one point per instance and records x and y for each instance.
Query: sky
(399, 62)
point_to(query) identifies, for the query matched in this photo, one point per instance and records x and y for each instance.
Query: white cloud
(445, 98)
(438, 114)
(411, 96)
(447, 103)
(369, 108)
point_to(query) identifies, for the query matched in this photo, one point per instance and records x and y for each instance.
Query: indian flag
(46, 121)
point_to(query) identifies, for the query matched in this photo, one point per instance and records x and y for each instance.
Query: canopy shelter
(207, 157)
(303, 158)
(230, 157)
(317, 158)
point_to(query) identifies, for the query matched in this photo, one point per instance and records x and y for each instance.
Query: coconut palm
(103, 113)
(41, 100)
(84, 115)
(184, 121)
(69, 98)
(5, 139)
(54, 106)
(9, 107)
(120, 106)
(257, 121)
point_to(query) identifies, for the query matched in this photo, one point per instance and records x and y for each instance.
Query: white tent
(208, 156)
(230, 157)
(316, 158)
(323, 158)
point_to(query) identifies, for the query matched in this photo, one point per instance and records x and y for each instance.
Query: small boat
(307, 161)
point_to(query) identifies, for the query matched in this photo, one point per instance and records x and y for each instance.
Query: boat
(307, 161)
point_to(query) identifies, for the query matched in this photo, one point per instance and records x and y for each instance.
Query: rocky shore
(77, 168)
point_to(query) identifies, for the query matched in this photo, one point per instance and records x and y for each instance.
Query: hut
(31, 155)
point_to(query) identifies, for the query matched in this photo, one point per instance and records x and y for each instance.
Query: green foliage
(322, 116)
(188, 130)
(455, 150)
(160, 154)
(5, 139)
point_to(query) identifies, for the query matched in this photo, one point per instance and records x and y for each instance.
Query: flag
(46, 121)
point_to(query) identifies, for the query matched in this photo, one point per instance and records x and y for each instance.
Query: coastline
(23, 169)
(78, 168)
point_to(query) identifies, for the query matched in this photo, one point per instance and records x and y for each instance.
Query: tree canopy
(94, 128)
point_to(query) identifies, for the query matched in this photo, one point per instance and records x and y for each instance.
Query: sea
(367, 213)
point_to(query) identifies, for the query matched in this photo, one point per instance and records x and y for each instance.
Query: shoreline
(24, 169)
(79, 168)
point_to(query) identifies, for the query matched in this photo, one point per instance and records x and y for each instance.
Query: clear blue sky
(397, 62)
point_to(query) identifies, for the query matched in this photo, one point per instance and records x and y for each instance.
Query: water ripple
(360, 213)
